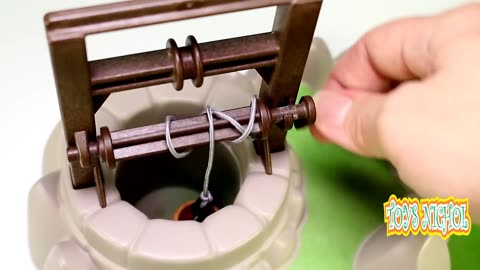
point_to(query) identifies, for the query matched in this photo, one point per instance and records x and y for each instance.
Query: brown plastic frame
(82, 86)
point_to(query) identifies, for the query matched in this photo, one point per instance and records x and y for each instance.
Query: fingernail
(332, 108)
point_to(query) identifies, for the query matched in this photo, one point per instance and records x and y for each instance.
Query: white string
(170, 146)
(205, 195)
(251, 122)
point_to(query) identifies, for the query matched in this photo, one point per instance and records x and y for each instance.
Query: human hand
(409, 92)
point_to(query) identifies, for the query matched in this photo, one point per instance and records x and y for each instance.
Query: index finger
(396, 51)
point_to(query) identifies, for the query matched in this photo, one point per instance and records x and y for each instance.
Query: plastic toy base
(415, 252)
(398, 252)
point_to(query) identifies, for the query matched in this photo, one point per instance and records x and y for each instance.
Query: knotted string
(205, 196)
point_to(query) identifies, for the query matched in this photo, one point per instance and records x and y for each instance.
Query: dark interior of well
(157, 185)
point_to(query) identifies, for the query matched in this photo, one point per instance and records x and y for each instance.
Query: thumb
(350, 119)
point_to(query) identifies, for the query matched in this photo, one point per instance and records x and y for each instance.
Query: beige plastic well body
(259, 230)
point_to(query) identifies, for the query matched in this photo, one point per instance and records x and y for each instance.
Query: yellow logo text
(443, 217)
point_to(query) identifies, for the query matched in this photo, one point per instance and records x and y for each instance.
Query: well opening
(158, 185)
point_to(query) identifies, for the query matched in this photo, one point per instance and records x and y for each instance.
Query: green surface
(465, 250)
(345, 196)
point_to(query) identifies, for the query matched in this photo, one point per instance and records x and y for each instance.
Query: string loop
(168, 139)
(205, 196)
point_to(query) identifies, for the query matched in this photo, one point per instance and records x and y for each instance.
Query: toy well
(257, 226)
(111, 201)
